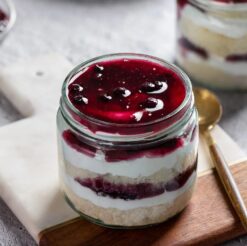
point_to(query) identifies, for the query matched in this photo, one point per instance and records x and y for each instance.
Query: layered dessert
(212, 41)
(130, 157)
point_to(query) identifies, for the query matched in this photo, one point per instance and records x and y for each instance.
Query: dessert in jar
(127, 140)
(212, 42)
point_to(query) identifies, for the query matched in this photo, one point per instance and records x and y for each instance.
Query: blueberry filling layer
(3, 20)
(127, 91)
(161, 150)
(186, 44)
(237, 58)
(136, 191)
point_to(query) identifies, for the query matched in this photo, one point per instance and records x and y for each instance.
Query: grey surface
(80, 29)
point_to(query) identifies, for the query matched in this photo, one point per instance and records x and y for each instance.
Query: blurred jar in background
(212, 42)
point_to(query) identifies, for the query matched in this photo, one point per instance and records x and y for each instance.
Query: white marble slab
(28, 162)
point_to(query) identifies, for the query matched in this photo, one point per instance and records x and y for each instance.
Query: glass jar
(125, 175)
(212, 42)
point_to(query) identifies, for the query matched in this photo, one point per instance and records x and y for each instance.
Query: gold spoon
(210, 112)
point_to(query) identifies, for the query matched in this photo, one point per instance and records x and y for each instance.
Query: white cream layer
(140, 167)
(232, 68)
(229, 27)
(107, 202)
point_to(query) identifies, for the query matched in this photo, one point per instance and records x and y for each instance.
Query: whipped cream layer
(139, 167)
(106, 202)
(229, 27)
(232, 68)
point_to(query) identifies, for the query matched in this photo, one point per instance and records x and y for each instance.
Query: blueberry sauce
(127, 91)
(3, 20)
(187, 45)
(136, 191)
(78, 144)
(163, 149)
(237, 58)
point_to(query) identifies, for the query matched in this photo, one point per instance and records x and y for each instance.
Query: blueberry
(76, 88)
(80, 100)
(105, 97)
(121, 92)
(98, 68)
(149, 87)
(149, 103)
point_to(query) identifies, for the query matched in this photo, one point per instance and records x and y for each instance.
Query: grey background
(81, 29)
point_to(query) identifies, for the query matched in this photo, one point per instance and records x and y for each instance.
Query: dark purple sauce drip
(3, 20)
(120, 155)
(182, 3)
(136, 191)
(158, 151)
(76, 143)
(237, 58)
(122, 91)
(187, 45)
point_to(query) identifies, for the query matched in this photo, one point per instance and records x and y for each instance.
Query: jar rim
(220, 6)
(177, 70)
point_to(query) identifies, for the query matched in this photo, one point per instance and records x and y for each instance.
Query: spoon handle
(227, 179)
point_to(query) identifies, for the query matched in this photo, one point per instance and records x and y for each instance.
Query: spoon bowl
(209, 108)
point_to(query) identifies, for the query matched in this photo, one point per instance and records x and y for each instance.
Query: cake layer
(162, 175)
(107, 202)
(214, 71)
(218, 36)
(132, 217)
(139, 167)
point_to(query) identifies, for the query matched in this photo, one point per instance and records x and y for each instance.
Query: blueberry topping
(126, 91)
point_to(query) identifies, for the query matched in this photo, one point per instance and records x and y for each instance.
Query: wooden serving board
(29, 181)
(208, 220)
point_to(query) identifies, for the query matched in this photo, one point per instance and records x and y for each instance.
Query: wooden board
(208, 220)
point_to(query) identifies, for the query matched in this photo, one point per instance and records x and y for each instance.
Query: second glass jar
(212, 42)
